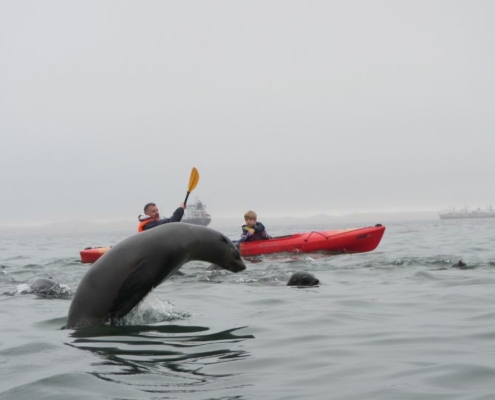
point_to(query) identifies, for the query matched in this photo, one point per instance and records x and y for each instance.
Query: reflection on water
(165, 358)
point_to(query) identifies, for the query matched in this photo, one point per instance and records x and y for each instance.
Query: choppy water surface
(395, 323)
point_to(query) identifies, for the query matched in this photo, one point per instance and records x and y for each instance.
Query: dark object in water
(461, 265)
(302, 278)
(44, 287)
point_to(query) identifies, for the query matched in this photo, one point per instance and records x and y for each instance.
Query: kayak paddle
(193, 182)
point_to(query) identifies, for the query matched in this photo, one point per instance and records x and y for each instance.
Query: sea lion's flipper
(135, 287)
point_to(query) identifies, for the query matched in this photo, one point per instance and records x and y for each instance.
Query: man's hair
(148, 206)
(250, 215)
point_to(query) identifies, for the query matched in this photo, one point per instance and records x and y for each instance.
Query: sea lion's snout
(236, 268)
(236, 265)
(232, 260)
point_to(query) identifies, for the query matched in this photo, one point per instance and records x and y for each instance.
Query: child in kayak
(253, 229)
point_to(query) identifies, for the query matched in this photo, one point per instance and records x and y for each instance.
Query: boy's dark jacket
(259, 232)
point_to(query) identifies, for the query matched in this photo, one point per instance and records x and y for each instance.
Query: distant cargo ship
(196, 214)
(464, 213)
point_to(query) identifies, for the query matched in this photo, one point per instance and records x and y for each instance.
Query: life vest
(143, 223)
(258, 236)
(255, 235)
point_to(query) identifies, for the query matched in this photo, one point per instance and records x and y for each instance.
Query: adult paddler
(151, 217)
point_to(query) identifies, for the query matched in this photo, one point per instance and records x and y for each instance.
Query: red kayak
(354, 240)
(358, 240)
(91, 254)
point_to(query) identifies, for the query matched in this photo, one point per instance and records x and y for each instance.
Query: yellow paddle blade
(193, 180)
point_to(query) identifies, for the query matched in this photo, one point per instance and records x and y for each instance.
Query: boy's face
(251, 222)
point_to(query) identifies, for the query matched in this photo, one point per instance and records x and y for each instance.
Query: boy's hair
(250, 215)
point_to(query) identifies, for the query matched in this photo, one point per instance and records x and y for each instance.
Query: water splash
(152, 310)
(23, 288)
(57, 291)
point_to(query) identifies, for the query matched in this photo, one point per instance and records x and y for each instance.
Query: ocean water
(395, 323)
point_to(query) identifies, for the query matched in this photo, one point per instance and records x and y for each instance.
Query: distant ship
(196, 214)
(464, 213)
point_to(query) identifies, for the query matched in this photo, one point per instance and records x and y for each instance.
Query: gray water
(395, 323)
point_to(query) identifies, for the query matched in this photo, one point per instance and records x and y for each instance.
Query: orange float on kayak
(91, 254)
(339, 241)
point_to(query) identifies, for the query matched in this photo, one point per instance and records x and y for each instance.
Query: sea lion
(302, 278)
(122, 277)
(461, 265)
(44, 287)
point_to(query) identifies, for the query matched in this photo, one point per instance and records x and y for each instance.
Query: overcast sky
(285, 107)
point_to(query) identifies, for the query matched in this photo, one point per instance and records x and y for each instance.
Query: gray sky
(285, 107)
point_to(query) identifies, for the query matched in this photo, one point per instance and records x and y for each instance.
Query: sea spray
(153, 310)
